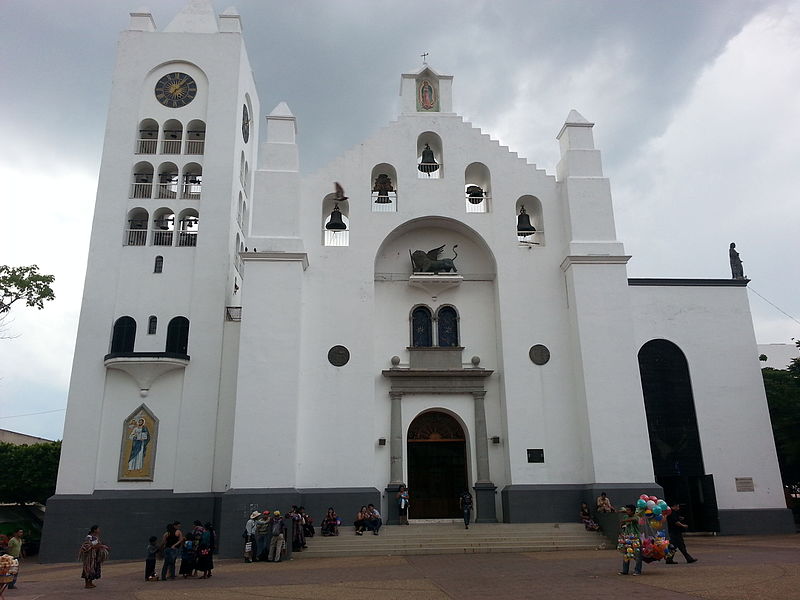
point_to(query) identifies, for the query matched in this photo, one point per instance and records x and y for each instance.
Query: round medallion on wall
(338, 356)
(539, 354)
(245, 124)
(175, 90)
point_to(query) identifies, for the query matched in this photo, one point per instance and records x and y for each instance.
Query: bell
(428, 163)
(383, 185)
(474, 194)
(335, 222)
(524, 227)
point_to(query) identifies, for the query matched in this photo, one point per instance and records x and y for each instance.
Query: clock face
(245, 124)
(175, 90)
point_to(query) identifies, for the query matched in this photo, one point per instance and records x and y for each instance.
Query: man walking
(465, 503)
(677, 526)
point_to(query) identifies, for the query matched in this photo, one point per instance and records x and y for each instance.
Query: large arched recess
(473, 295)
(427, 233)
(674, 435)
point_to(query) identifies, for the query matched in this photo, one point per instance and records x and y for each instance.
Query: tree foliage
(783, 396)
(24, 283)
(28, 472)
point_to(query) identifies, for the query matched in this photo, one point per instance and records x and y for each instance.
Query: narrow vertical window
(152, 324)
(447, 326)
(421, 327)
(158, 267)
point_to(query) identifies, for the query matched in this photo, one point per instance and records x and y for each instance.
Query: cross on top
(424, 56)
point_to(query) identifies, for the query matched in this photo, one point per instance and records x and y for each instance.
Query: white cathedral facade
(452, 317)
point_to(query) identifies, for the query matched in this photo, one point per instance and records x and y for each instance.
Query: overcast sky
(696, 105)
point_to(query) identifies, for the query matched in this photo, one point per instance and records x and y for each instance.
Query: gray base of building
(559, 503)
(755, 521)
(484, 500)
(128, 518)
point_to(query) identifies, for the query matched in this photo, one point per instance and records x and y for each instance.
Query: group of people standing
(195, 548)
(266, 534)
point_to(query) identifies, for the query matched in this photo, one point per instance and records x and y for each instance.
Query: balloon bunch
(628, 545)
(653, 510)
(652, 513)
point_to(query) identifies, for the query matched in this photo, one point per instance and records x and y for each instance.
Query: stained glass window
(447, 320)
(421, 328)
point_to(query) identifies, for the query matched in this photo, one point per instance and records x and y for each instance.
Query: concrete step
(452, 538)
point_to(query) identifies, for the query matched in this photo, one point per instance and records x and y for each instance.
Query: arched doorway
(674, 436)
(437, 465)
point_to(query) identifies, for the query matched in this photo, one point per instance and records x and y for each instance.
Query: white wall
(713, 328)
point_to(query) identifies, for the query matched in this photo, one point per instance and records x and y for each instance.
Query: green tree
(24, 283)
(783, 397)
(28, 472)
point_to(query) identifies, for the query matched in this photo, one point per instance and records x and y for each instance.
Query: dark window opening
(421, 328)
(447, 326)
(124, 335)
(159, 264)
(178, 335)
(152, 324)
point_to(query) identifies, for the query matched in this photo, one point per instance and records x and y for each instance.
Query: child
(150, 563)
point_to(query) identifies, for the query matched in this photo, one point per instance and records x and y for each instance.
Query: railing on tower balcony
(195, 146)
(380, 204)
(187, 238)
(162, 236)
(167, 190)
(481, 206)
(171, 144)
(135, 237)
(141, 190)
(146, 146)
(191, 190)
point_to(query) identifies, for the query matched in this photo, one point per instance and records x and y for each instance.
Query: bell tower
(150, 411)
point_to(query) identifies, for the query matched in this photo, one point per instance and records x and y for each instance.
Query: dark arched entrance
(674, 437)
(437, 466)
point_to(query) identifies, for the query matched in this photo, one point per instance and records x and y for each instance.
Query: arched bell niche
(383, 184)
(530, 207)
(430, 156)
(340, 235)
(477, 188)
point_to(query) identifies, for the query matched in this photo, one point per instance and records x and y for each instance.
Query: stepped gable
(196, 17)
(348, 154)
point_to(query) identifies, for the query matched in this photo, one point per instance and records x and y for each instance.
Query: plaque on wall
(535, 455)
(745, 484)
(539, 354)
(338, 356)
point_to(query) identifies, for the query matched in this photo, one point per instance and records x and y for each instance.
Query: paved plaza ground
(729, 568)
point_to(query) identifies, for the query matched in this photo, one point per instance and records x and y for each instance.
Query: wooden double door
(437, 466)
